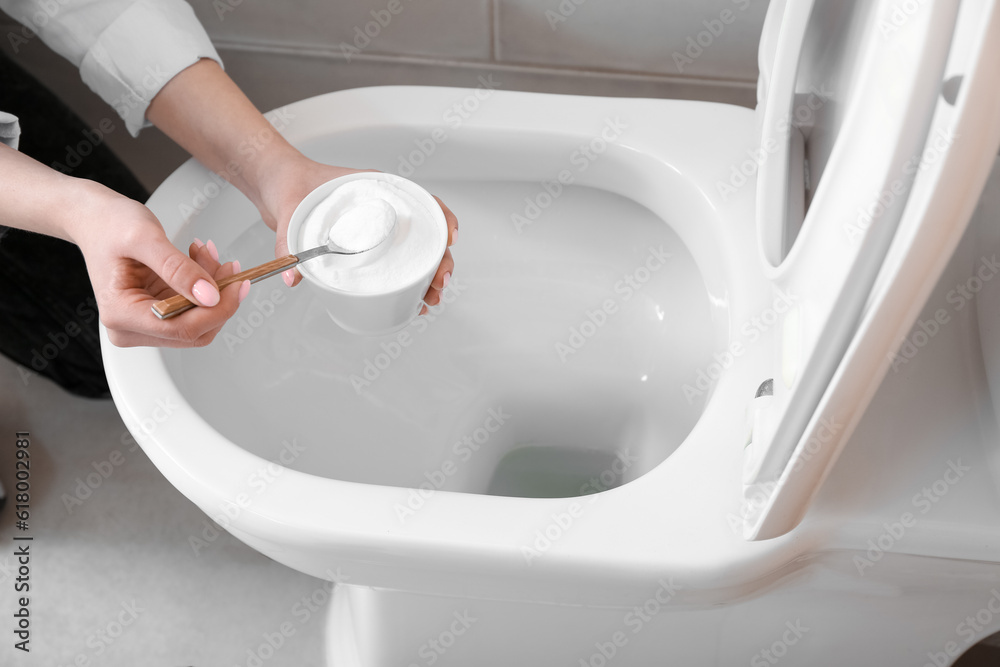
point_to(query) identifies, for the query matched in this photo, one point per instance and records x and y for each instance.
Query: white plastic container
(370, 314)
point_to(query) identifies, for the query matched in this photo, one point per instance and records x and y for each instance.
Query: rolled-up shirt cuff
(140, 52)
(10, 129)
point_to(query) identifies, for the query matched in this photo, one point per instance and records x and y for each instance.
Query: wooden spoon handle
(176, 305)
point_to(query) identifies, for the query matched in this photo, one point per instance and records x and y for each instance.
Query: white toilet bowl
(556, 460)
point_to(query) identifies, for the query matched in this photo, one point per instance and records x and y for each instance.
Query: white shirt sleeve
(10, 129)
(126, 50)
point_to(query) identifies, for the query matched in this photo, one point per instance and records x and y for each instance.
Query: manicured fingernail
(244, 290)
(213, 251)
(446, 280)
(236, 266)
(198, 242)
(454, 236)
(205, 292)
(288, 276)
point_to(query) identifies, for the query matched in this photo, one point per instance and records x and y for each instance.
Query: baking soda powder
(354, 216)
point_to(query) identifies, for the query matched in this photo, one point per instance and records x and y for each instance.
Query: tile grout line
(625, 75)
(495, 30)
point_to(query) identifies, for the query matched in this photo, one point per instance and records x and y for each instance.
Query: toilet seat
(466, 544)
(878, 158)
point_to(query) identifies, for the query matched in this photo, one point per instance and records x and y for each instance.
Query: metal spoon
(176, 305)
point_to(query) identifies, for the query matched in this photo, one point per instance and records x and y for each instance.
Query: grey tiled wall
(713, 39)
(634, 35)
(280, 51)
(449, 29)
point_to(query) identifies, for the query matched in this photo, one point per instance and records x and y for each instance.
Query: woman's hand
(132, 265)
(294, 176)
(207, 114)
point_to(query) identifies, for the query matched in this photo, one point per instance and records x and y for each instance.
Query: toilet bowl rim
(205, 489)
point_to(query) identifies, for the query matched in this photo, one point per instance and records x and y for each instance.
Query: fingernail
(236, 266)
(213, 251)
(205, 292)
(454, 236)
(198, 242)
(288, 276)
(446, 280)
(244, 290)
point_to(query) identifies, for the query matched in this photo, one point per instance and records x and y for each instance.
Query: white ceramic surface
(375, 313)
(566, 386)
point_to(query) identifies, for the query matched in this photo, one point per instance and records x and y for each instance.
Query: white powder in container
(404, 258)
(363, 227)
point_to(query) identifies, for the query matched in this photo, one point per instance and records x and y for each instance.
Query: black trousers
(48, 314)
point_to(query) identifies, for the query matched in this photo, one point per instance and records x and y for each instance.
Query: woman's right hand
(132, 265)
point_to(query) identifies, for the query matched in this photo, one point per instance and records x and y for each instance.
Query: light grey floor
(127, 547)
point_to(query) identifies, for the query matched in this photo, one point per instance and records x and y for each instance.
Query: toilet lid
(857, 211)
